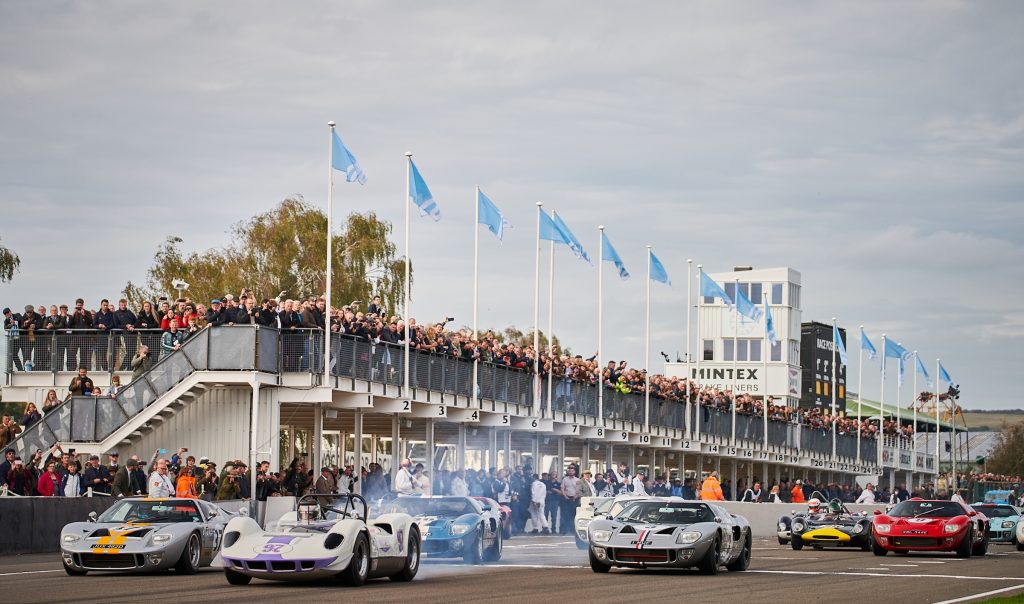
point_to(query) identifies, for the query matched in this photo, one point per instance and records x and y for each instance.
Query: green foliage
(283, 249)
(1008, 455)
(9, 263)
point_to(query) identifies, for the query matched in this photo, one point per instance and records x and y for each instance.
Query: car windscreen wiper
(926, 512)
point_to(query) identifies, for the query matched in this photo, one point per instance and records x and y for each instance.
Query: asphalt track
(551, 569)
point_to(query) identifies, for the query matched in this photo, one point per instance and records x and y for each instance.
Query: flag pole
(536, 320)
(860, 391)
(938, 426)
(600, 325)
(735, 353)
(835, 423)
(551, 322)
(408, 269)
(764, 393)
(689, 314)
(881, 412)
(913, 435)
(330, 230)
(899, 404)
(700, 353)
(647, 349)
(476, 293)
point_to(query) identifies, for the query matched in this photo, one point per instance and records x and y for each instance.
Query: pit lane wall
(32, 525)
(764, 517)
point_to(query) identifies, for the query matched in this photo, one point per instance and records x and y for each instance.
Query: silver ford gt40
(669, 532)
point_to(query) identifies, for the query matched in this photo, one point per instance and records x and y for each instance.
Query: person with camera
(229, 487)
(9, 430)
(142, 362)
(265, 485)
(247, 313)
(209, 484)
(97, 476)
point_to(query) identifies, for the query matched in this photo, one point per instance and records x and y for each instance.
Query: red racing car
(931, 526)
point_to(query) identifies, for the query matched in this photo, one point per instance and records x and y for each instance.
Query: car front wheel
(74, 572)
(876, 547)
(966, 545)
(359, 567)
(412, 559)
(743, 561)
(708, 565)
(236, 578)
(598, 566)
(188, 564)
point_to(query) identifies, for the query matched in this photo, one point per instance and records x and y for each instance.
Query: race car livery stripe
(640, 540)
(112, 543)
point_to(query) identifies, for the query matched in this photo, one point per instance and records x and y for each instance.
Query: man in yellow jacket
(711, 489)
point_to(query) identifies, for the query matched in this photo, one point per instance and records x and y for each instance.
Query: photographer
(209, 483)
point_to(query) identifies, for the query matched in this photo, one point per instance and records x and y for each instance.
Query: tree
(9, 263)
(1007, 457)
(283, 250)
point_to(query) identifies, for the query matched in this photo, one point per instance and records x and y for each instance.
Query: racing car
(1019, 532)
(140, 535)
(326, 536)
(1003, 519)
(831, 525)
(670, 532)
(930, 525)
(454, 527)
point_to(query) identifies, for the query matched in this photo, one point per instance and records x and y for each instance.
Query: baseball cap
(215, 301)
(92, 457)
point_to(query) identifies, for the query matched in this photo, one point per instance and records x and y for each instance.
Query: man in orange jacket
(798, 491)
(711, 490)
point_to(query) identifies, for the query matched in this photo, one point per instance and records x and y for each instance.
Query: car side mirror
(877, 512)
(972, 513)
(214, 514)
(93, 516)
(487, 507)
(243, 512)
(590, 504)
(718, 519)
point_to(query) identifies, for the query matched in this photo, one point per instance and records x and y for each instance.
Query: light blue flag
(747, 308)
(658, 272)
(944, 375)
(342, 160)
(492, 216)
(574, 243)
(865, 344)
(549, 231)
(610, 255)
(710, 289)
(895, 351)
(769, 324)
(420, 195)
(901, 371)
(837, 342)
(921, 369)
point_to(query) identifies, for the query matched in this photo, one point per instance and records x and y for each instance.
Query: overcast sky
(876, 147)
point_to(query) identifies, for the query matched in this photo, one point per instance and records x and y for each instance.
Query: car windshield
(934, 509)
(604, 506)
(152, 511)
(442, 507)
(996, 511)
(666, 512)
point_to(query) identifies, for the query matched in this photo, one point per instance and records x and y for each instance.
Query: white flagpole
(735, 341)
(700, 352)
(536, 320)
(600, 325)
(860, 394)
(551, 322)
(899, 414)
(647, 349)
(330, 231)
(764, 377)
(881, 411)
(476, 292)
(913, 435)
(835, 425)
(689, 314)
(408, 269)
(937, 420)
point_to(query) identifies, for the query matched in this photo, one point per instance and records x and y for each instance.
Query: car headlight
(461, 529)
(69, 539)
(161, 538)
(882, 528)
(782, 526)
(601, 536)
(798, 526)
(583, 522)
(1008, 524)
(688, 537)
(952, 528)
(858, 528)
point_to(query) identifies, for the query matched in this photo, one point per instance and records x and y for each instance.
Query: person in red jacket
(49, 482)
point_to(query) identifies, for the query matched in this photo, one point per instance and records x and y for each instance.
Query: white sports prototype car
(327, 536)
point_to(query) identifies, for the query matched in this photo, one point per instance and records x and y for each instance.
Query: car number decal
(641, 541)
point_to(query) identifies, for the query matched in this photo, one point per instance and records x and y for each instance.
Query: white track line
(840, 573)
(28, 572)
(982, 595)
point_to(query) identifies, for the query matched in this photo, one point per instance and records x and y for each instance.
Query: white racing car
(327, 536)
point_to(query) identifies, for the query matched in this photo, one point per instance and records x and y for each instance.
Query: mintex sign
(783, 380)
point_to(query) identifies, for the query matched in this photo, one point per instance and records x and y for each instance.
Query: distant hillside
(992, 419)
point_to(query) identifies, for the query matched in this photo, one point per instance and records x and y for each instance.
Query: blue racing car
(454, 527)
(1002, 521)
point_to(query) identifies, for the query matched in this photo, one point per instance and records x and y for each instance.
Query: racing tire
(74, 572)
(358, 568)
(797, 543)
(783, 541)
(493, 553)
(596, 565)
(876, 547)
(865, 545)
(1020, 546)
(475, 553)
(236, 578)
(967, 545)
(412, 559)
(188, 563)
(708, 565)
(980, 549)
(741, 563)
(581, 544)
